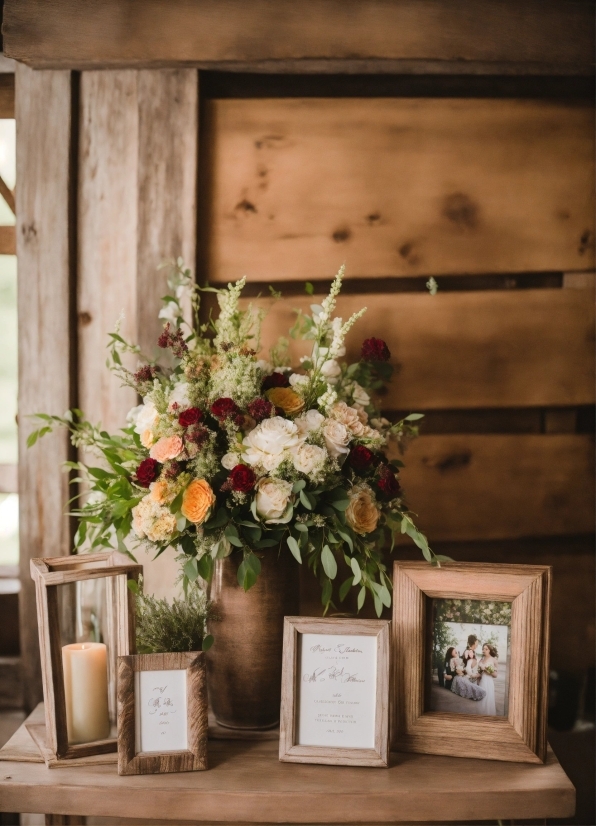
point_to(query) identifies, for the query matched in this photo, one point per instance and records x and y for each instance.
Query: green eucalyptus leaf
(190, 569)
(361, 596)
(298, 486)
(413, 417)
(300, 526)
(344, 588)
(305, 500)
(329, 563)
(207, 642)
(356, 569)
(205, 567)
(326, 593)
(294, 548)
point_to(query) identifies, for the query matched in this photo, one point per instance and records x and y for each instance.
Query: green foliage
(164, 627)
(483, 612)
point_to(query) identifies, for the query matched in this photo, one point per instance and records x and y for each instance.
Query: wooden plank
(248, 784)
(167, 170)
(398, 187)
(8, 241)
(230, 32)
(500, 486)
(468, 350)
(43, 114)
(107, 216)
(7, 84)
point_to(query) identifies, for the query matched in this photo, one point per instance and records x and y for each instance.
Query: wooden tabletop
(246, 782)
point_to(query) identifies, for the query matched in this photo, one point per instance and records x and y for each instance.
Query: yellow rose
(286, 399)
(362, 514)
(197, 501)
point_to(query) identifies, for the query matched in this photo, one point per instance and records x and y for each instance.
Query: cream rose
(362, 513)
(337, 438)
(298, 380)
(269, 443)
(151, 520)
(360, 395)
(273, 496)
(146, 416)
(230, 460)
(309, 458)
(348, 416)
(309, 421)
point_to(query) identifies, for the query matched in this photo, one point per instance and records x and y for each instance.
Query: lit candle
(86, 691)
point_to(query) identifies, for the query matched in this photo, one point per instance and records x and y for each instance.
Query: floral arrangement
(232, 453)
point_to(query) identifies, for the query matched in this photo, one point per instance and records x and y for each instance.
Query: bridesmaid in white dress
(487, 667)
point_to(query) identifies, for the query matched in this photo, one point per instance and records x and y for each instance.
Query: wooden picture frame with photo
(192, 756)
(521, 735)
(377, 724)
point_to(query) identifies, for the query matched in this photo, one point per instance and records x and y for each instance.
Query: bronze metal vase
(244, 664)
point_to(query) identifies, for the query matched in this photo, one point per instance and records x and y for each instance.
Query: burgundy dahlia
(375, 349)
(242, 478)
(275, 380)
(191, 416)
(147, 472)
(260, 409)
(361, 459)
(224, 408)
(388, 484)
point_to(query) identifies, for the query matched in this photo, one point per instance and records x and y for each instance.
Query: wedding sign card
(336, 691)
(160, 711)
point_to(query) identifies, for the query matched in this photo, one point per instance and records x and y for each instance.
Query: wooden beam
(8, 242)
(6, 94)
(282, 35)
(44, 140)
(397, 187)
(478, 349)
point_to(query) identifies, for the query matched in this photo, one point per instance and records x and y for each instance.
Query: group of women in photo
(471, 677)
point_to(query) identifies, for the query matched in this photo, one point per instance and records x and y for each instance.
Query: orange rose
(197, 500)
(168, 447)
(286, 399)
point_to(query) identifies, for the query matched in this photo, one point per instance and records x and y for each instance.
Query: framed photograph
(162, 713)
(335, 692)
(470, 644)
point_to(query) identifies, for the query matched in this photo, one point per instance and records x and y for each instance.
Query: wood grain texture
(247, 783)
(398, 187)
(8, 242)
(114, 565)
(107, 238)
(500, 486)
(530, 348)
(228, 33)
(521, 737)
(167, 170)
(292, 752)
(192, 759)
(44, 134)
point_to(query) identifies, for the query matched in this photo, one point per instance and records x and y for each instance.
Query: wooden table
(246, 783)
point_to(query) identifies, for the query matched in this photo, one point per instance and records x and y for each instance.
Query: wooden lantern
(48, 574)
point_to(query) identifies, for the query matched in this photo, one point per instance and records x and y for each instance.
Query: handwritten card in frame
(162, 713)
(335, 692)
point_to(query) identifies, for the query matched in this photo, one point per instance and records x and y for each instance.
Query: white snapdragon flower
(331, 371)
(309, 459)
(337, 438)
(179, 395)
(146, 417)
(170, 312)
(272, 499)
(360, 395)
(309, 421)
(270, 442)
(328, 398)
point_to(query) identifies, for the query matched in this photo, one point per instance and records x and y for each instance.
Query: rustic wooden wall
(490, 195)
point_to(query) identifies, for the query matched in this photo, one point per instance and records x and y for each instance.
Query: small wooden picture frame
(470, 646)
(162, 713)
(49, 574)
(335, 690)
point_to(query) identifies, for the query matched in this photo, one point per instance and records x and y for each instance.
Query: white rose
(331, 371)
(360, 395)
(309, 421)
(230, 460)
(179, 395)
(348, 416)
(273, 496)
(147, 417)
(297, 380)
(268, 443)
(133, 414)
(309, 458)
(337, 438)
(170, 312)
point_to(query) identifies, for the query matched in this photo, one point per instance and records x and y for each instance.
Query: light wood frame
(48, 574)
(289, 750)
(521, 736)
(192, 759)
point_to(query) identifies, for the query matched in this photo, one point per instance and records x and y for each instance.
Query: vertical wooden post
(43, 222)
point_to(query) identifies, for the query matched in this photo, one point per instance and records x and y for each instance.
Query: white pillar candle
(86, 691)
